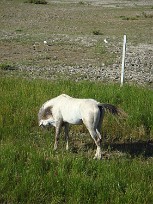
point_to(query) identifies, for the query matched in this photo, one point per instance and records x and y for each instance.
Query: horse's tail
(113, 109)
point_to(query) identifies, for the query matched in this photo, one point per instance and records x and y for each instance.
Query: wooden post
(123, 60)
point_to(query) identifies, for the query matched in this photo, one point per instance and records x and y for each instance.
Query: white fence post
(123, 60)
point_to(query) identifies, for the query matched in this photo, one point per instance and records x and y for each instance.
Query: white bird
(105, 41)
(45, 42)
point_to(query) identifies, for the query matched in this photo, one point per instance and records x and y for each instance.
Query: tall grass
(21, 100)
(33, 173)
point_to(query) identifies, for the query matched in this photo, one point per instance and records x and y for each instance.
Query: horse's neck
(55, 100)
(64, 96)
(49, 103)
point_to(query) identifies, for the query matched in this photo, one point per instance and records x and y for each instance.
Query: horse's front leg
(57, 133)
(66, 125)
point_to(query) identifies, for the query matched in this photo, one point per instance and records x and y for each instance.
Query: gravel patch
(108, 3)
(138, 68)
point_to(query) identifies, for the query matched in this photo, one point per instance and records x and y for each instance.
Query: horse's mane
(44, 113)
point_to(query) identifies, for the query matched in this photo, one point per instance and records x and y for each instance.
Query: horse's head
(45, 117)
(47, 123)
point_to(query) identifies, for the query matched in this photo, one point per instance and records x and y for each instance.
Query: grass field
(33, 173)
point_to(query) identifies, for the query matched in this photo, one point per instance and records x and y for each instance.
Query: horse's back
(74, 110)
(69, 109)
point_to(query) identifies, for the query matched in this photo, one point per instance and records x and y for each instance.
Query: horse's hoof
(55, 148)
(67, 148)
(97, 157)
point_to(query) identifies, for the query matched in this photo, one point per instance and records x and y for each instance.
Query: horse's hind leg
(96, 137)
(91, 122)
(99, 136)
(99, 126)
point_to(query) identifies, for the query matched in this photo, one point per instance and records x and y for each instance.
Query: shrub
(147, 15)
(37, 1)
(81, 2)
(97, 32)
(7, 67)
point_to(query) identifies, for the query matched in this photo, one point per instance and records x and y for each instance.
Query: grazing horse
(64, 110)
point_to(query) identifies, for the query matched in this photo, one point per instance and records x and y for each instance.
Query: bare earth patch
(75, 34)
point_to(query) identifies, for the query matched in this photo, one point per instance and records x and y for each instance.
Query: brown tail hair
(114, 110)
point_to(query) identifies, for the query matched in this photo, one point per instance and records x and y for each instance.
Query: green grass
(31, 172)
(21, 97)
(36, 175)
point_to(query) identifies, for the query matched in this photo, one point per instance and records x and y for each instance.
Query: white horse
(64, 110)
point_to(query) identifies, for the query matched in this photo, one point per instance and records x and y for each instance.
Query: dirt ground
(109, 3)
(79, 40)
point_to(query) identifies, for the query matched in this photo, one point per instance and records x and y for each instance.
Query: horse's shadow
(139, 148)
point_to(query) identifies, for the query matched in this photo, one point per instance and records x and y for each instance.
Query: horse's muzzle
(42, 126)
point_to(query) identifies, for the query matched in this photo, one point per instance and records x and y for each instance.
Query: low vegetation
(97, 32)
(7, 67)
(36, 1)
(33, 173)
